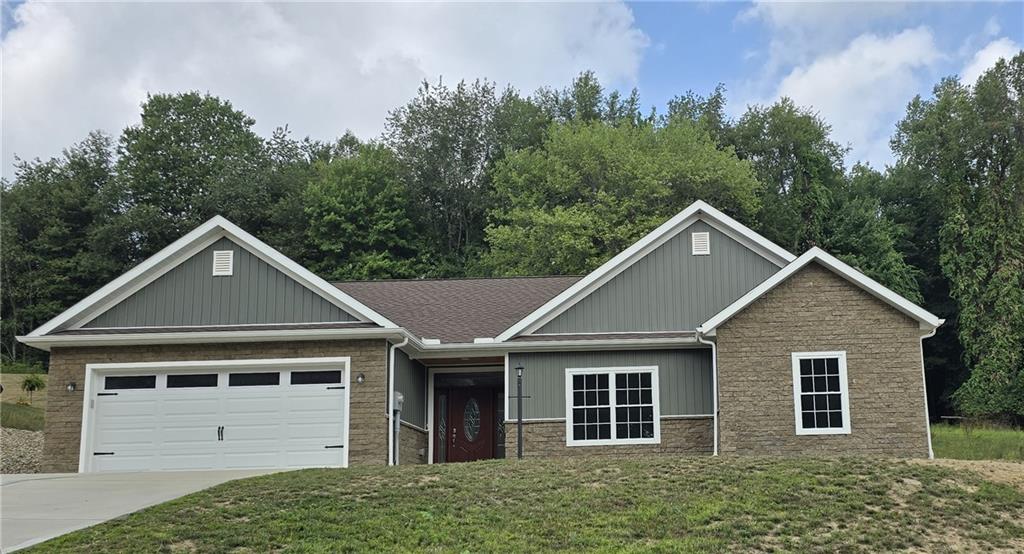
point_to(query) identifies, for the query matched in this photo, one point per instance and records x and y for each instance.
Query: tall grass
(17, 416)
(977, 443)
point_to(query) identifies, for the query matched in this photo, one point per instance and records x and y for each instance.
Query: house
(702, 338)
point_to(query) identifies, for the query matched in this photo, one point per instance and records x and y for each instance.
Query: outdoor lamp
(360, 378)
(72, 387)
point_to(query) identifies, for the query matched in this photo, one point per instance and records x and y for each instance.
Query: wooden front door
(470, 429)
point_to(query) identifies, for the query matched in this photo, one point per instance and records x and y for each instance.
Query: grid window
(614, 405)
(820, 394)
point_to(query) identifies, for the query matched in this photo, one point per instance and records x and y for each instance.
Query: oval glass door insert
(471, 419)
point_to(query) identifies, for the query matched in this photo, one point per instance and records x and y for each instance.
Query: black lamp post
(519, 412)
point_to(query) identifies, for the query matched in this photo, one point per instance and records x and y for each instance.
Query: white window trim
(844, 392)
(612, 371)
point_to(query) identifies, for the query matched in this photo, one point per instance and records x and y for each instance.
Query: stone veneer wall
(410, 442)
(368, 429)
(817, 310)
(546, 439)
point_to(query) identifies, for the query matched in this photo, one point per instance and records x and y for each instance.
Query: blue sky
(325, 68)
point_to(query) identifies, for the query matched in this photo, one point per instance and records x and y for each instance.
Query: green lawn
(660, 504)
(17, 416)
(967, 443)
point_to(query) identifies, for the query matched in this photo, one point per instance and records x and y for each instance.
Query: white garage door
(218, 419)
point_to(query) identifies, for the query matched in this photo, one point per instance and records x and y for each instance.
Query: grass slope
(664, 504)
(966, 443)
(17, 416)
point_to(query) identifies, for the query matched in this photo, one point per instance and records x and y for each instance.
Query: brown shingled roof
(457, 310)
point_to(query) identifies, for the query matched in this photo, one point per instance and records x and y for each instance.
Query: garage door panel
(264, 426)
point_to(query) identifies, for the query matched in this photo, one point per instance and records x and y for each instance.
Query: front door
(472, 425)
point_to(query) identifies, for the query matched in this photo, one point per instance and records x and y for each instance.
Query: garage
(228, 414)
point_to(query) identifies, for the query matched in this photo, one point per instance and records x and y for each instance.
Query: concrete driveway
(37, 507)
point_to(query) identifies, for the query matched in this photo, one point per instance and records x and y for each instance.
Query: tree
(593, 189)
(51, 257)
(966, 143)
(798, 165)
(446, 140)
(192, 157)
(359, 223)
(585, 101)
(31, 383)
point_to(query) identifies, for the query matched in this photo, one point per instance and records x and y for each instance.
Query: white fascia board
(170, 256)
(216, 337)
(866, 283)
(592, 281)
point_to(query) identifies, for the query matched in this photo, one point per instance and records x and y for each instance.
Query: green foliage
(31, 383)
(192, 157)
(446, 140)
(51, 257)
(593, 189)
(357, 208)
(967, 144)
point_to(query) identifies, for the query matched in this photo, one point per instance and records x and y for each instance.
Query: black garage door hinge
(106, 394)
(102, 453)
(335, 446)
(334, 388)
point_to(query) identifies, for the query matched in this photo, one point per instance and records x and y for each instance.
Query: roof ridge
(435, 279)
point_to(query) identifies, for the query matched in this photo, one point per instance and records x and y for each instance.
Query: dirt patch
(1008, 473)
(20, 451)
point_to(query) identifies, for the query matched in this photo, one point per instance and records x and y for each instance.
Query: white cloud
(863, 89)
(321, 68)
(987, 57)
(802, 31)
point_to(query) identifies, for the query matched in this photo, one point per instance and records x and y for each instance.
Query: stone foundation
(547, 440)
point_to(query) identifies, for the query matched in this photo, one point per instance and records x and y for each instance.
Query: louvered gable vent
(701, 243)
(223, 262)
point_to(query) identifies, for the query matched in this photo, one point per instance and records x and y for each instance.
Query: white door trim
(94, 371)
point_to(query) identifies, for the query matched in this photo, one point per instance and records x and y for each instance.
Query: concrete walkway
(37, 507)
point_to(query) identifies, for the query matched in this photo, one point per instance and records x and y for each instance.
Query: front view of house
(702, 338)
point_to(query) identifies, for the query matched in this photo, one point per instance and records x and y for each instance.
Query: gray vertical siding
(669, 289)
(411, 381)
(189, 294)
(684, 377)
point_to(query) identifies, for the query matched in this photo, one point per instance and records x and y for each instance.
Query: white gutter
(924, 388)
(714, 388)
(391, 401)
(196, 337)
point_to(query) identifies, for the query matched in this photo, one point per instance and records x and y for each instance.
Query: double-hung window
(612, 406)
(820, 395)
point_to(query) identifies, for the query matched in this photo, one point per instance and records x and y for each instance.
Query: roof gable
(183, 249)
(669, 289)
(876, 289)
(190, 294)
(609, 270)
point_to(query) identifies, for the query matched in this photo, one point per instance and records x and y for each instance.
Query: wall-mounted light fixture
(72, 387)
(360, 378)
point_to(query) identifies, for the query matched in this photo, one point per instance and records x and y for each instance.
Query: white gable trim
(876, 289)
(699, 210)
(187, 246)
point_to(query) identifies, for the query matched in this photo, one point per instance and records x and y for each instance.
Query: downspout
(391, 400)
(714, 387)
(924, 387)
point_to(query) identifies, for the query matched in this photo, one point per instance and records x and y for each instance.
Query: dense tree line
(470, 180)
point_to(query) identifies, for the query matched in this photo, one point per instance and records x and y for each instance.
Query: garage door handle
(220, 433)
